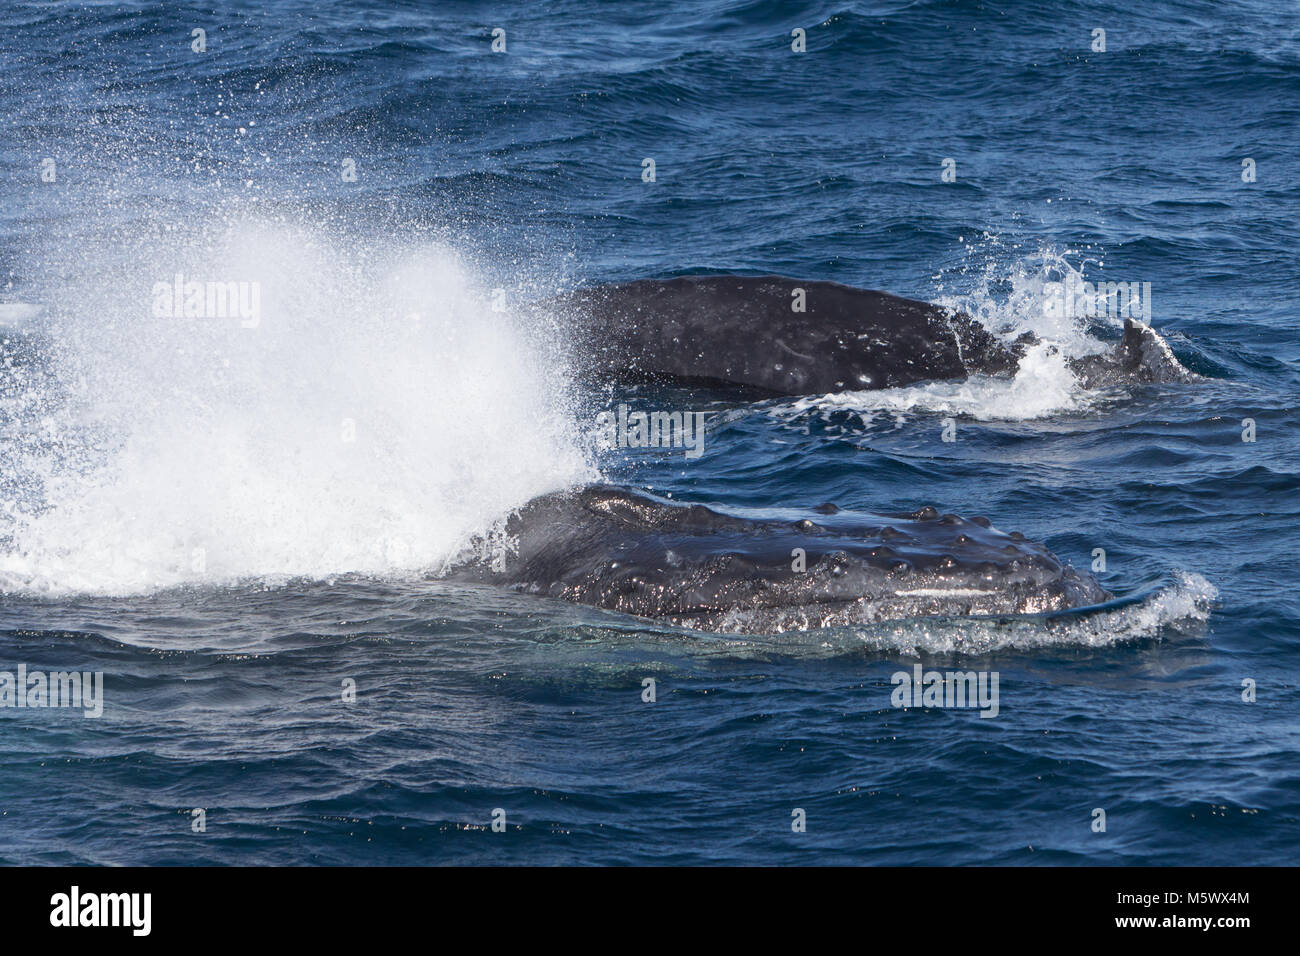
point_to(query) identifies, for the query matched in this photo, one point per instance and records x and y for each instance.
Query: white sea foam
(380, 415)
(1043, 386)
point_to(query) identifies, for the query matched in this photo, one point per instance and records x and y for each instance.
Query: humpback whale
(746, 332)
(698, 567)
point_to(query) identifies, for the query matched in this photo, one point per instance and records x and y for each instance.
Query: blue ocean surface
(238, 522)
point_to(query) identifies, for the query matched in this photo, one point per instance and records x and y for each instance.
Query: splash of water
(1007, 290)
(1008, 293)
(378, 413)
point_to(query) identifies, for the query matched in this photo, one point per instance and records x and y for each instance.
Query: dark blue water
(179, 510)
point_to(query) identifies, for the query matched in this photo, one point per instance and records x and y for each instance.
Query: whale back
(773, 335)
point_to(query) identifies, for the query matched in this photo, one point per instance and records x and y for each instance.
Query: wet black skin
(691, 565)
(744, 332)
(699, 567)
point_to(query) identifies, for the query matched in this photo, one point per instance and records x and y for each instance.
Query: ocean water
(238, 520)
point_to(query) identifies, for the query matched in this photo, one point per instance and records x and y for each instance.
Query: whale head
(698, 567)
